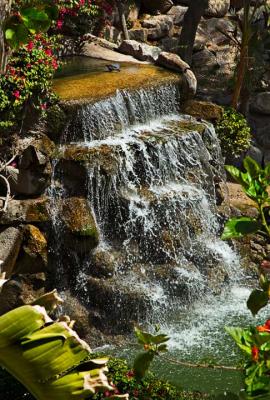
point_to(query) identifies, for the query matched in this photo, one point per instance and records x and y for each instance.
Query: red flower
(130, 374)
(265, 327)
(16, 94)
(54, 64)
(30, 46)
(255, 353)
(136, 393)
(43, 106)
(48, 52)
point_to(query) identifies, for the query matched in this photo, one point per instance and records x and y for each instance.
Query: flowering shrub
(28, 79)
(255, 342)
(80, 16)
(146, 389)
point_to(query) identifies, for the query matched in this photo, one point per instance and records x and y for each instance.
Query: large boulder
(261, 103)
(82, 233)
(158, 26)
(177, 13)
(33, 256)
(154, 6)
(175, 63)
(26, 211)
(10, 244)
(139, 50)
(216, 8)
(30, 172)
(203, 109)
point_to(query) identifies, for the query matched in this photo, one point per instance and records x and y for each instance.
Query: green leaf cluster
(255, 182)
(48, 357)
(28, 19)
(153, 344)
(234, 133)
(255, 343)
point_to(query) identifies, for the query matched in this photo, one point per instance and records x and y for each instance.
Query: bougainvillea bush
(27, 82)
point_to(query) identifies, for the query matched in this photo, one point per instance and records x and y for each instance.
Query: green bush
(148, 388)
(234, 133)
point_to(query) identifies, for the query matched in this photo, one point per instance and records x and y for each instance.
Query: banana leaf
(47, 356)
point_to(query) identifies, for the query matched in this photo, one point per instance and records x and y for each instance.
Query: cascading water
(149, 176)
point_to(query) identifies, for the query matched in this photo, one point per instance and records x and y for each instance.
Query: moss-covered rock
(33, 257)
(102, 156)
(203, 109)
(26, 211)
(79, 223)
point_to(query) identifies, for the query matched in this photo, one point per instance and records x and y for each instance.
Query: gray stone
(89, 38)
(204, 59)
(158, 26)
(96, 51)
(216, 8)
(255, 153)
(170, 44)
(10, 243)
(139, 50)
(261, 103)
(175, 63)
(138, 34)
(112, 34)
(177, 13)
(26, 211)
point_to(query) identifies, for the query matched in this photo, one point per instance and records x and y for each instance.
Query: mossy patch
(79, 219)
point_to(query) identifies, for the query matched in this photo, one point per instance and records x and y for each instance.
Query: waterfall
(149, 176)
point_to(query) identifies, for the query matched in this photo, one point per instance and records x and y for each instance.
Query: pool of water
(198, 336)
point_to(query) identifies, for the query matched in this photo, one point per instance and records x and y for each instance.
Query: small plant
(254, 341)
(153, 345)
(234, 133)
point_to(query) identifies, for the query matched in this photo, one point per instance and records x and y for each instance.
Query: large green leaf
(241, 337)
(252, 167)
(238, 227)
(48, 357)
(142, 363)
(257, 300)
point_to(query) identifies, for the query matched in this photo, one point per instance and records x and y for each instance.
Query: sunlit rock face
(149, 175)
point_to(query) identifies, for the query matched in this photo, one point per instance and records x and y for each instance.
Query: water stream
(150, 178)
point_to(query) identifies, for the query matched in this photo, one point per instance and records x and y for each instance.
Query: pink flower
(59, 23)
(16, 94)
(43, 106)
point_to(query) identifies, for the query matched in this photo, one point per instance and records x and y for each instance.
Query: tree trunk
(122, 17)
(5, 7)
(191, 21)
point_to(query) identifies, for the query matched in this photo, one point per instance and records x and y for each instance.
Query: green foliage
(255, 342)
(148, 388)
(47, 356)
(255, 182)
(233, 133)
(153, 345)
(27, 19)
